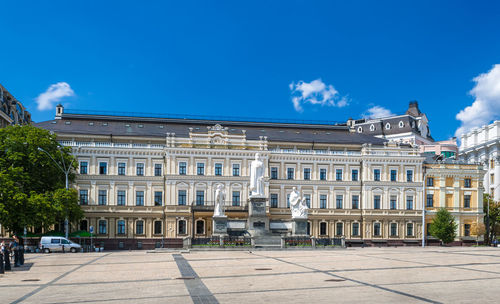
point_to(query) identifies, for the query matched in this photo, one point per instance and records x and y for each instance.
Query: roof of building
(107, 125)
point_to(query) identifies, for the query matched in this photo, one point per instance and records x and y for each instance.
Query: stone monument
(219, 218)
(258, 223)
(299, 209)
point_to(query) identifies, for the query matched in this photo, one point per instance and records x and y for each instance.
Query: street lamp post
(66, 171)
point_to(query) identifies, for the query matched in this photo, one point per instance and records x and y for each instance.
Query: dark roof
(158, 127)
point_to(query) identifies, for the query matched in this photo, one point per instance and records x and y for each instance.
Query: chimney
(59, 111)
(413, 109)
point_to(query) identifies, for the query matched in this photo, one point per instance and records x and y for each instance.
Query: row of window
(121, 200)
(200, 198)
(339, 201)
(339, 174)
(430, 201)
(121, 169)
(200, 169)
(121, 228)
(339, 229)
(467, 182)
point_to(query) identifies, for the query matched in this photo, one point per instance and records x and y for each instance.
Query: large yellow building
(458, 187)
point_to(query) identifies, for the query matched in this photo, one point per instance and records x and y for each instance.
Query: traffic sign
(91, 230)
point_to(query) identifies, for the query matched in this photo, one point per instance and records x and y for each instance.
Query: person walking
(14, 245)
(6, 255)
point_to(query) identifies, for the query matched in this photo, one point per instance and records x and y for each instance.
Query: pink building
(447, 148)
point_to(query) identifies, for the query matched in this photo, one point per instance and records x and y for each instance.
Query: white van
(56, 243)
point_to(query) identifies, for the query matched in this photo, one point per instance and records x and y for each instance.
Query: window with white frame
(139, 198)
(290, 173)
(120, 229)
(409, 202)
(158, 169)
(140, 169)
(236, 198)
(181, 197)
(122, 167)
(84, 197)
(339, 229)
(322, 173)
(181, 227)
(139, 227)
(121, 198)
(103, 197)
(409, 229)
(218, 169)
(182, 168)
(355, 229)
(376, 229)
(84, 167)
(394, 229)
(307, 173)
(200, 168)
(236, 169)
(338, 174)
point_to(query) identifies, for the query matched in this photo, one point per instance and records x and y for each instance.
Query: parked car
(56, 243)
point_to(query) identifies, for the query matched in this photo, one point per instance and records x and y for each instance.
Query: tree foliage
(32, 186)
(493, 214)
(443, 226)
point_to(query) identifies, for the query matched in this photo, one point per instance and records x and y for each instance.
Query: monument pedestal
(299, 226)
(258, 222)
(219, 225)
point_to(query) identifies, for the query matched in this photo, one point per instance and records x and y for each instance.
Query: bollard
(6, 255)
(2, 269)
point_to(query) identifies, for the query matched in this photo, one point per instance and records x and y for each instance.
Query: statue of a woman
(220, 197)
(257, 177)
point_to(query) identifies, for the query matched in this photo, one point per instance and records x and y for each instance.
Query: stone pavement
(374, 275)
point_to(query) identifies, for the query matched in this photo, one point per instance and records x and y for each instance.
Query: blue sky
(252, 58)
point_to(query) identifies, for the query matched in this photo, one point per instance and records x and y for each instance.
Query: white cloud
(486, 105)
(54, 93)
(377, 112)
(315, 92)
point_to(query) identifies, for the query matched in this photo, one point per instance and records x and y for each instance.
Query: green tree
(31, 184)
(443, 226)
(493, 216)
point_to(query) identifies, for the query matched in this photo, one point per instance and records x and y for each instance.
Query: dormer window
(372, 128)
(360, 130)
(387, 126)
(401, 124)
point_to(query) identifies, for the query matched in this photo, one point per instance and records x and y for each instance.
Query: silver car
(57, 243)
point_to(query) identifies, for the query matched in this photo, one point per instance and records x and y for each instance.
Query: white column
(497, 179)
(486, 179)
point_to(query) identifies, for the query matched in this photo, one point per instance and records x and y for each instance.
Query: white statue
(220, 198)
(298, 206)
(257, 177)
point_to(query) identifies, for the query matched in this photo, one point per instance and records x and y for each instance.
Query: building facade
(445, 148)
(482, 145)
(11, 110)
(154, 178)
(458, 187)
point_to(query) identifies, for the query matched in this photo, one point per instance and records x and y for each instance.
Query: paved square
(375, 275)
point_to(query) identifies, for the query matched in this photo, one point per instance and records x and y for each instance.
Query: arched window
(200, 227)
(372, 128)
(387, 126)
(360, 130)
(401, 124)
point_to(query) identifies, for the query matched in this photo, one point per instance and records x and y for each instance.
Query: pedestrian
(21, 251)
(14, 245)
(2, 265)
(6, 255)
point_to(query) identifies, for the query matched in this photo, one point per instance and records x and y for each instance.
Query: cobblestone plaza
(381, 275)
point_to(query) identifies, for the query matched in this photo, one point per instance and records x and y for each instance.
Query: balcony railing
(70, 143)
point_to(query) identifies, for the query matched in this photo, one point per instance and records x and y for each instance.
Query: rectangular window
(84, 167)
(376, 174)
(376, 202)
(236, 198)
(290, 174)
(339, 229)
(274, 200)
(236, 169)
(338, 174)
(322, 201)
(121, 168)
(139, 198)
(103, 197)
(339, 201)
(120, 197)
(322, 174)
(84, 197)
(393, 202)
(200, 198)
(394, 229)
(466, 201)
(430, 182)
(121, 227)
(466, 229)
(394, 175)
(376, 229)
(274, 173)
(409, 229)
(307, 173)
(355, 202)
(409, 175)
(430, 200)
(158, 198)
(354, 175)
(322, 228)
(139, 227)
(200, 168)
(218, 169)
(409, 203)
(103, 168)
(355, 229)
(157, 227)
(181, 197)
(102, 227)
(140, 169)
(181, 227)
(467, 183)
(158, 169)
(308, 200)
(182, 168)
